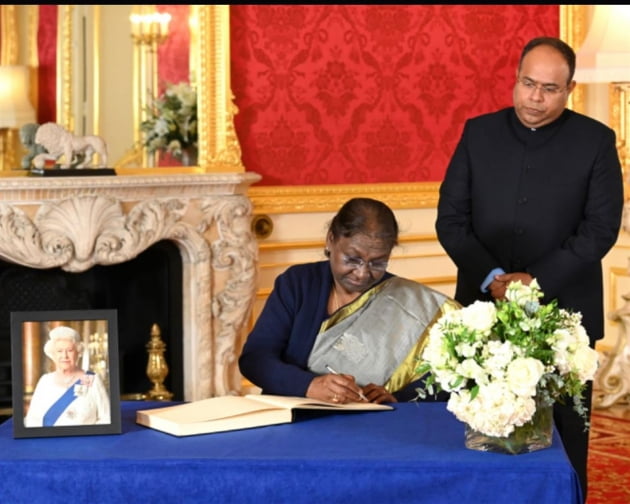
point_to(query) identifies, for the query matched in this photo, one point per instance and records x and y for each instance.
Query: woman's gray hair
(63, 333)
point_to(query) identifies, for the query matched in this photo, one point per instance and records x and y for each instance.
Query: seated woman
(346, 315)
(68, 395)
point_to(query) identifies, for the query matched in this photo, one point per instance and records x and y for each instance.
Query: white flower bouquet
(500, 360)
(172, 121)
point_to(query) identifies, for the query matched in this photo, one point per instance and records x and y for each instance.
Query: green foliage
(172, 121)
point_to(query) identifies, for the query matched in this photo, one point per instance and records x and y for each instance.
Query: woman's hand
(378, 394)
(335, 388)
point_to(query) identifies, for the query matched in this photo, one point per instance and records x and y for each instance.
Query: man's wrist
(490, 278)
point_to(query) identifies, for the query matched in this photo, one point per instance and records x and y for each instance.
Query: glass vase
(534, 435)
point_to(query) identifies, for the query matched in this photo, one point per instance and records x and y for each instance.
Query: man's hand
(498, 286)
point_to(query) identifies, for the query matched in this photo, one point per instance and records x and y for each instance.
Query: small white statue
(77, 151)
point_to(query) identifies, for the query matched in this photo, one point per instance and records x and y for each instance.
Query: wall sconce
(149, 28)
(604, 57)
(15, 111)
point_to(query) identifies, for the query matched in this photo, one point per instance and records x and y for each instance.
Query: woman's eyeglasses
(357, 262)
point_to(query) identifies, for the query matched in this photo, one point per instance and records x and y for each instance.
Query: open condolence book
(226, 413)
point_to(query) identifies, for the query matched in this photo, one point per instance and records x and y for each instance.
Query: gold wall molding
(615, 273)
(573, 30)
(65, 71)
(326, 198)
(219, 149)
(619, 114)
(275, 246)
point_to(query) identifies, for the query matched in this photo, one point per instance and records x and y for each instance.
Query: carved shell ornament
(77, 233)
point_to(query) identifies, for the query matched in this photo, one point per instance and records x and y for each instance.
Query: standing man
(536, 191)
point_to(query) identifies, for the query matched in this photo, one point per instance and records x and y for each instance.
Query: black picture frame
(98, 330)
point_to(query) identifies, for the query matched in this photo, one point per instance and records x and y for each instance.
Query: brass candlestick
(157, 369)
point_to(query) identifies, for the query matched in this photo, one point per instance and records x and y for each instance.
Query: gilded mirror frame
(218, 147)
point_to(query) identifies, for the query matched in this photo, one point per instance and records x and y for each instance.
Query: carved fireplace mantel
(75, 223)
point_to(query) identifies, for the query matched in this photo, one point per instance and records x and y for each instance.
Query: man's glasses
(545, 89)
(357, 262)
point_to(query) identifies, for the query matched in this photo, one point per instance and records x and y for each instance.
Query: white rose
(581, 335)
(479, 316)
(562, 361)
(563, 344)
(523, 374)
(585, 361)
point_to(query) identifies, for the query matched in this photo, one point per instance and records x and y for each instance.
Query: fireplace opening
(146, 290)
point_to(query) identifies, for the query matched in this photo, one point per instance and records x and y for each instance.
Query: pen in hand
(361, 394)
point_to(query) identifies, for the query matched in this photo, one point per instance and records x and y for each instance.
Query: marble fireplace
(75, 223)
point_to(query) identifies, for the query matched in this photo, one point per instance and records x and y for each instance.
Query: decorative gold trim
(8, 35)
(273, 246)
(614, 273)
(326, 198)
(619, 119)
(65, 116)
(96, 57)
(32, 27)
(219, 149)
(573, 29)
(32, 56)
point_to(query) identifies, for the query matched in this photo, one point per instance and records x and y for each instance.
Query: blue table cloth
(414, 453)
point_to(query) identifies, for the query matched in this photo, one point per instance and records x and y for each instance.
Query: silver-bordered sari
(379, 337)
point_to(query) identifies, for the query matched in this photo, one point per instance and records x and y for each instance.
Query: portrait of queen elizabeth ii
(68, 395)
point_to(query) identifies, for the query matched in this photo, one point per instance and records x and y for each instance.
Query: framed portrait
(65, 373)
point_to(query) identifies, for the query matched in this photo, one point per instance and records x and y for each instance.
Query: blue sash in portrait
(60, 405)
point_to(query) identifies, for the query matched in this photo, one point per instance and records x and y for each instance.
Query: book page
(291, 402)
(206, 410)
(218, 414)
(172, 421)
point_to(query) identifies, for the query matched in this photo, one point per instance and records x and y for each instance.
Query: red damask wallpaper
(344, 94)
(174, 53)
(46, 70)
